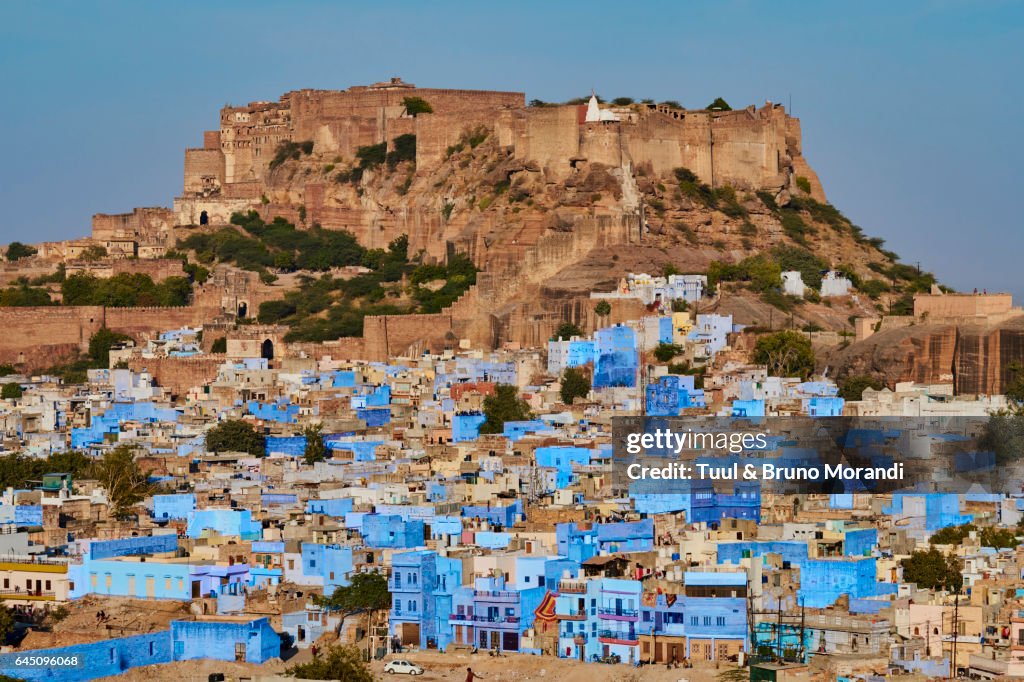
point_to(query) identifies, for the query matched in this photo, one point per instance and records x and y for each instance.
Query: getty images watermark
(735, 442)
(672, 455)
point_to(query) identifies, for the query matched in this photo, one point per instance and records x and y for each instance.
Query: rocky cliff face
(976, 358)
(544, 240)
(549, 202)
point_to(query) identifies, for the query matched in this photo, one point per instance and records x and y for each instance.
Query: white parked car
(401, 667)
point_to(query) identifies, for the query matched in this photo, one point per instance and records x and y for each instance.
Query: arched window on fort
(243, 309)
(204, 218)
(267, 350)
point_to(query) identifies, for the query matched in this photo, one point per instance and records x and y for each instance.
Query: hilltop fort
(549, 202)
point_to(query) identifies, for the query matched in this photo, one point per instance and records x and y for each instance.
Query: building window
(412, 606)
(707, 620)
(694, 620)
(720, 621)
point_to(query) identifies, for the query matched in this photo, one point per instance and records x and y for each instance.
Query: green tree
(219, 345)
(315, 450)
(11, 391)
(20, 471)
(1014, 390)
(952, 535)
(786, 353)
(622, 101)
(504, 406)
(404, 149)
(284, 261)
(932, 569)
(235, 435)
(852, 388)
(367, 592)
(417, 105)
(7, 369)
(666, 351)
(1000, 538)
(124, 481)
(719, 105)
(575, 384)
(17, 251)
(69, 462)
(1004, 434)
(603, 309)
(566, 331)
(100, 344)
(6, 623)
(342, 663)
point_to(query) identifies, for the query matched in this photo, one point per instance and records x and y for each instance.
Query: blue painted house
(672, 394)
(252, 641)
(701, 502)
(625, 536)
(466, 426)
(391, 530)
(177, 506)
(491, 615)
(422, 585)
(822, 581)
(617, 357)
(238, 522)
(561, 459)
(327, 565)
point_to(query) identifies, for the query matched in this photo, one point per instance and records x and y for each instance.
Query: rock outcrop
(976, 358)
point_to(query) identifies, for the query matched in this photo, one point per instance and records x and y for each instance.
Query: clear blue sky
(911, 111)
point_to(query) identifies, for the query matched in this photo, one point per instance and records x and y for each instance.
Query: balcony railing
(496, 619)
(497, 594)
(618, 613)
(34, 595)
(572, 587)
(616, 637)
(572, 615)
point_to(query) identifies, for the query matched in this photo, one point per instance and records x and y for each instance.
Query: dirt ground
(198, 671)
(449, 667)
(124, 617)
(522, 668)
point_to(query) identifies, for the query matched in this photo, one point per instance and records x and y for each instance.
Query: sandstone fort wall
(204, 170)
(179, 374)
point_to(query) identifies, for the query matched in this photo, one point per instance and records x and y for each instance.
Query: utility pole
(750, 619)
(800, 648)
(778, 653)
(956, 632)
